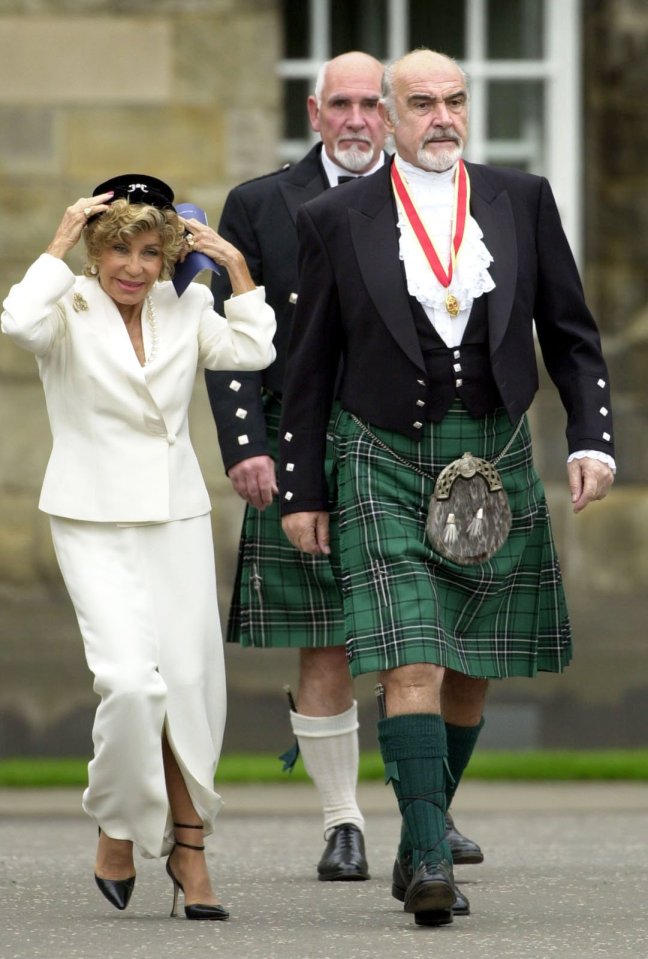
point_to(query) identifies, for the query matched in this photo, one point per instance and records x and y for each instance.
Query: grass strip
(574, 765)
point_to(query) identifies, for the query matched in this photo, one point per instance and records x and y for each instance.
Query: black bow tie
(345, 179)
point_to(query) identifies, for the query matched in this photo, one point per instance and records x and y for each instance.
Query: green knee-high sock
(414, 751)
(461, 743)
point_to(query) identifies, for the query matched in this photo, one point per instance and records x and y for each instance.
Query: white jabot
(433, 196)
(334, 170)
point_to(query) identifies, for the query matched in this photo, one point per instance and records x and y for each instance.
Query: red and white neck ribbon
(459, 215)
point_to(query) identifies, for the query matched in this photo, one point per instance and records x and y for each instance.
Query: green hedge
(610, 764)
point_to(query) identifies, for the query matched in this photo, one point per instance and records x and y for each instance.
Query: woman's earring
(93, 270)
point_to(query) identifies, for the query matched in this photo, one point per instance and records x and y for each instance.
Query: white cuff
(595, 455)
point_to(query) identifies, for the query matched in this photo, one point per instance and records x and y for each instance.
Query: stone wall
(89, 88)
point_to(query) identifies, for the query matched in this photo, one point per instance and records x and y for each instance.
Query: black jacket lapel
(304, 182)
(494, 215)
(372, 221)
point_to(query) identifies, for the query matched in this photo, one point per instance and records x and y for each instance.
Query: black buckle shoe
(344, 857)
(464, 851)
(401, 878)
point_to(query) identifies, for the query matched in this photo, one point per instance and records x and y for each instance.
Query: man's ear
(313, 113)
(385, 117)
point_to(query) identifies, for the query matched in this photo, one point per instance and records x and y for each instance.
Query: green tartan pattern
(282, 597)
(403, 602)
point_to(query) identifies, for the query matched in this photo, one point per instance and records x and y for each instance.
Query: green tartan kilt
(282, 597)
(403, 602)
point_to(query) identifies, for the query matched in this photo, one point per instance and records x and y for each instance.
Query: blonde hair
(124, 220)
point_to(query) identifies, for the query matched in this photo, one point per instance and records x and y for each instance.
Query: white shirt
(433, 197)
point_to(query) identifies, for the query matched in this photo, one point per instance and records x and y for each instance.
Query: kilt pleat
(404, 603)
(282, 597)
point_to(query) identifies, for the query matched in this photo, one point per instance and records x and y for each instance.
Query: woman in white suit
(117, 352)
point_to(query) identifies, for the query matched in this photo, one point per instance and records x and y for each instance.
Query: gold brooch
(79, 303)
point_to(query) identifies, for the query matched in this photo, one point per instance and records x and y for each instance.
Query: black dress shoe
(464, 851)
(431, 891)
(117, 891)
(401, 878)
(344, 857)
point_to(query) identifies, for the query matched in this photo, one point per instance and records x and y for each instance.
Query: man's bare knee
(413, 689)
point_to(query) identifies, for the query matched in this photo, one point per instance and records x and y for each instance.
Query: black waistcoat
(461, 372)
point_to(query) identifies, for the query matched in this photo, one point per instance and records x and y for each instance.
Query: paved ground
(565, 877)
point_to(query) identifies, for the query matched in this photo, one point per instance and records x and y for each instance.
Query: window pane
(296, 24)
(359, 25)
(515, 123)
(440, 26)
(515, 29)
(295, 117)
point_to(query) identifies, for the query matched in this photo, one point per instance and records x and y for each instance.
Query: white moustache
(443, 136)
(348, 139)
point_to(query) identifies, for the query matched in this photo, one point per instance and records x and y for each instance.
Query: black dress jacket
(354, 305)
(259, 218)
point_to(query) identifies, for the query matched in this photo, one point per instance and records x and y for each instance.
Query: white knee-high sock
(329, 748)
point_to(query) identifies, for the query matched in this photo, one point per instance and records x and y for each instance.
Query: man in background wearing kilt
(425, 280)
(282, 597)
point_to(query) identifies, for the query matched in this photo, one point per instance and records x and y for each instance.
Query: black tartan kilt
(405, 603)
(282, 597)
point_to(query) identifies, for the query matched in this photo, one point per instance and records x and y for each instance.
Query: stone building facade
(188, 90)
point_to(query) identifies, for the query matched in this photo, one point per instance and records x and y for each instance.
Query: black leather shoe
(117, 891)
(401, 878)
(464, 851)
(431, 891)
(344, 857)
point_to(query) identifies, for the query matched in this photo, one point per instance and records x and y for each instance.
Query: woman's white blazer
(121, 447)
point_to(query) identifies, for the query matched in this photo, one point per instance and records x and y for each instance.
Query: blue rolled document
(194, 262)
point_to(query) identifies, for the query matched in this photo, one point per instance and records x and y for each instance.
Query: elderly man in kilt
(283, 598)
(425, 280)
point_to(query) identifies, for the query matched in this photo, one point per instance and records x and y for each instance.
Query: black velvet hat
(138, 188)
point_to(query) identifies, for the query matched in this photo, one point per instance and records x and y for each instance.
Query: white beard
(353, 158)
(439, 162)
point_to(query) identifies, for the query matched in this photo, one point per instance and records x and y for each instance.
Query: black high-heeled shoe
(118, 892)
(195, 910)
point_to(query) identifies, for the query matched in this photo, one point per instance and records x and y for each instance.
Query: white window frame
(559, 71)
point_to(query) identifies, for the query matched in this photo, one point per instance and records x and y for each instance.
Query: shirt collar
(334, 170)
(425, 179)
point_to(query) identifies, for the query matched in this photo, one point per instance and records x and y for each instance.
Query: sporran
(469, 517)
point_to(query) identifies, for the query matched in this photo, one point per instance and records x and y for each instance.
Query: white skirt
(145, 599)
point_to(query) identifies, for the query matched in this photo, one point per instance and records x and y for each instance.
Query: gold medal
(452, 305)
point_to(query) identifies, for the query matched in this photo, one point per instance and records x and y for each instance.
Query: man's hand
(254, 480)
(589, 479)
(309, 532)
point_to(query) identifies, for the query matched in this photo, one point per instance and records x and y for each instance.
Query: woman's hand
(202, 238)
(74, 219)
